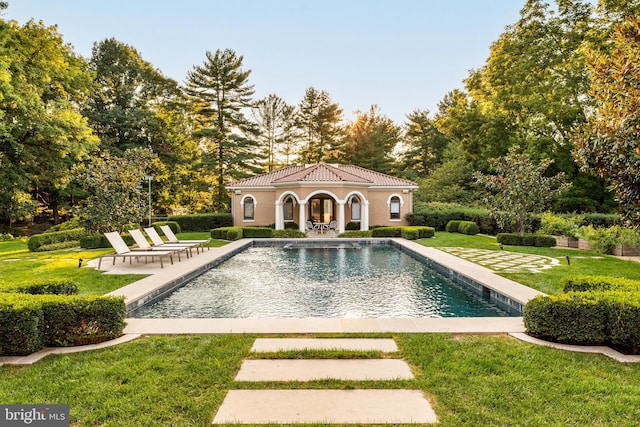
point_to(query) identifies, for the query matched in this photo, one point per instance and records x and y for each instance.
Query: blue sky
(402, 55)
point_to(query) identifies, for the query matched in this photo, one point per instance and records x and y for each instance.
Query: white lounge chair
(171, 238)
(144, 245)
(123, 251)
(159, 243)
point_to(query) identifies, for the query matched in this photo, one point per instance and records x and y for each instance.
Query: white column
(303, 216)
(365, 215)
(279, 215)
(340, 216)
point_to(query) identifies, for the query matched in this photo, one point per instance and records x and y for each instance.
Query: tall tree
(112, 183)
(519, 187)
(42, 133)
(276, 124)
(609, 143)
(135, 105)
(221, 92)
(319, 121)
(424, 144)
(370, 141)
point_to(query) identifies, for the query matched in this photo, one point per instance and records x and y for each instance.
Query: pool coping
(166, 280)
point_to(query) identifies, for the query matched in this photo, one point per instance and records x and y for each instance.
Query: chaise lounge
(143, 244)
(123, 251)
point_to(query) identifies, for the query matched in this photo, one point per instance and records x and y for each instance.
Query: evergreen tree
(424, 145)
(275, 120)
(370, 140)
(220, 91)
(319, 120)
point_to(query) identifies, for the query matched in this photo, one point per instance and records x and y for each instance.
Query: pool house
(322, 196)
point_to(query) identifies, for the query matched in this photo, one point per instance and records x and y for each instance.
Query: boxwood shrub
(49, 287)
(202, 222)
(38, 242)
(409, 233)
(599, 283)
(226, 233)
(468, 227)
(173, 225)
(452, 226)
(256, 232)
(94, 241)
(515, 239)
(29, 322)
(387, 232)
(288, 234)
(356, 234)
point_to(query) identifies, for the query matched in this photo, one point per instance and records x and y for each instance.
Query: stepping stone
(387, 345)
(325, 406)
(319, 369)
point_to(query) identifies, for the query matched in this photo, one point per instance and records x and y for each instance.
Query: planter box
(585, 245)
(566, 242)
(624, 250)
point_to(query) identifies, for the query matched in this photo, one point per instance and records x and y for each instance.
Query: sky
(401, 55)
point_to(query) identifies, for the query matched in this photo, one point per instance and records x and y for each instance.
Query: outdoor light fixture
(149, 178)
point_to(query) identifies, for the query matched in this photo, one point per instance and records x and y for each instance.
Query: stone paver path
(503, 261)
(328, 406)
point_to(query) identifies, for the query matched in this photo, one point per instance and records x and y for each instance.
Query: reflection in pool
(339, 282)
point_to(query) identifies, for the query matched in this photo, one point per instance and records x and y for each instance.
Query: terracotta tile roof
(323, 172)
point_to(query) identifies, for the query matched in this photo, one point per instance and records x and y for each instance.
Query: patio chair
(171, 238)
(159, 243)
(123, 251)
(333, 225)
(144, 245)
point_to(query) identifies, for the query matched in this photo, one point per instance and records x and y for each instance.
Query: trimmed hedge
(173, 225)
(452, 226)
(256, 232)
(387, 232)
(439, 217)
(572, 318)
(29, 322)
(515, 239)
(202, 222)
(227, 233)
(39, 242)
(409, 234)
(49, 287)
(288, 234)
(468, 227)
(356, 234)
(98, 241)
(599, 283)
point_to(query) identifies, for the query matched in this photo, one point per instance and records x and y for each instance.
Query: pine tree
(319, 123)
(221, 92)
(275, 120)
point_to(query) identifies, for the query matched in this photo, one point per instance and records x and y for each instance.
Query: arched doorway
(322, 208)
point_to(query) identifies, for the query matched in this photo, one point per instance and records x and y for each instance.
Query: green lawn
(470, 380)
(550, 280)
(182, 380)
(18, 266)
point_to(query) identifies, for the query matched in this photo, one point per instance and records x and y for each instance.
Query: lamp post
(149, 178)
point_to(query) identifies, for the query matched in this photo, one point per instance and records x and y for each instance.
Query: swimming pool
(341, 281)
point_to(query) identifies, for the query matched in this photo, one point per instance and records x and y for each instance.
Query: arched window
(355, 209)
(249, 208)
(394, 208)
(288, 209)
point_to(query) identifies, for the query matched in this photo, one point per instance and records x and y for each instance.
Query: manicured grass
(470, 380)
(18, 267)
(550, 280)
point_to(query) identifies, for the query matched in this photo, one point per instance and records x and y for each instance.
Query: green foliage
(94, 241)
(173, 225)
(409, 234)
(256, 232)
(227, 233)
(65, 226)
(387, 232)
(608, 143)
(352, 226)
(49, 287)
(114, 199)
(288, 234)
(517, 239)
(573, 318)
(40, 242)
(560, 225)
(599, 283)
(438, 215)
(202, 222)
(290, 225)
(370, 140)
(452, 226)
(468, 227)
(30, 322)
(519, 188)
(276, 126)
(220, 92)
(356, 234)
(425, 144)
(318, 121)
(602, 240)
(601, 220)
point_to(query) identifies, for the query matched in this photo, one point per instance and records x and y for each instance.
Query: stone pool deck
(162, 279)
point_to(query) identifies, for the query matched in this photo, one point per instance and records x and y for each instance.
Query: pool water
(365, 282)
